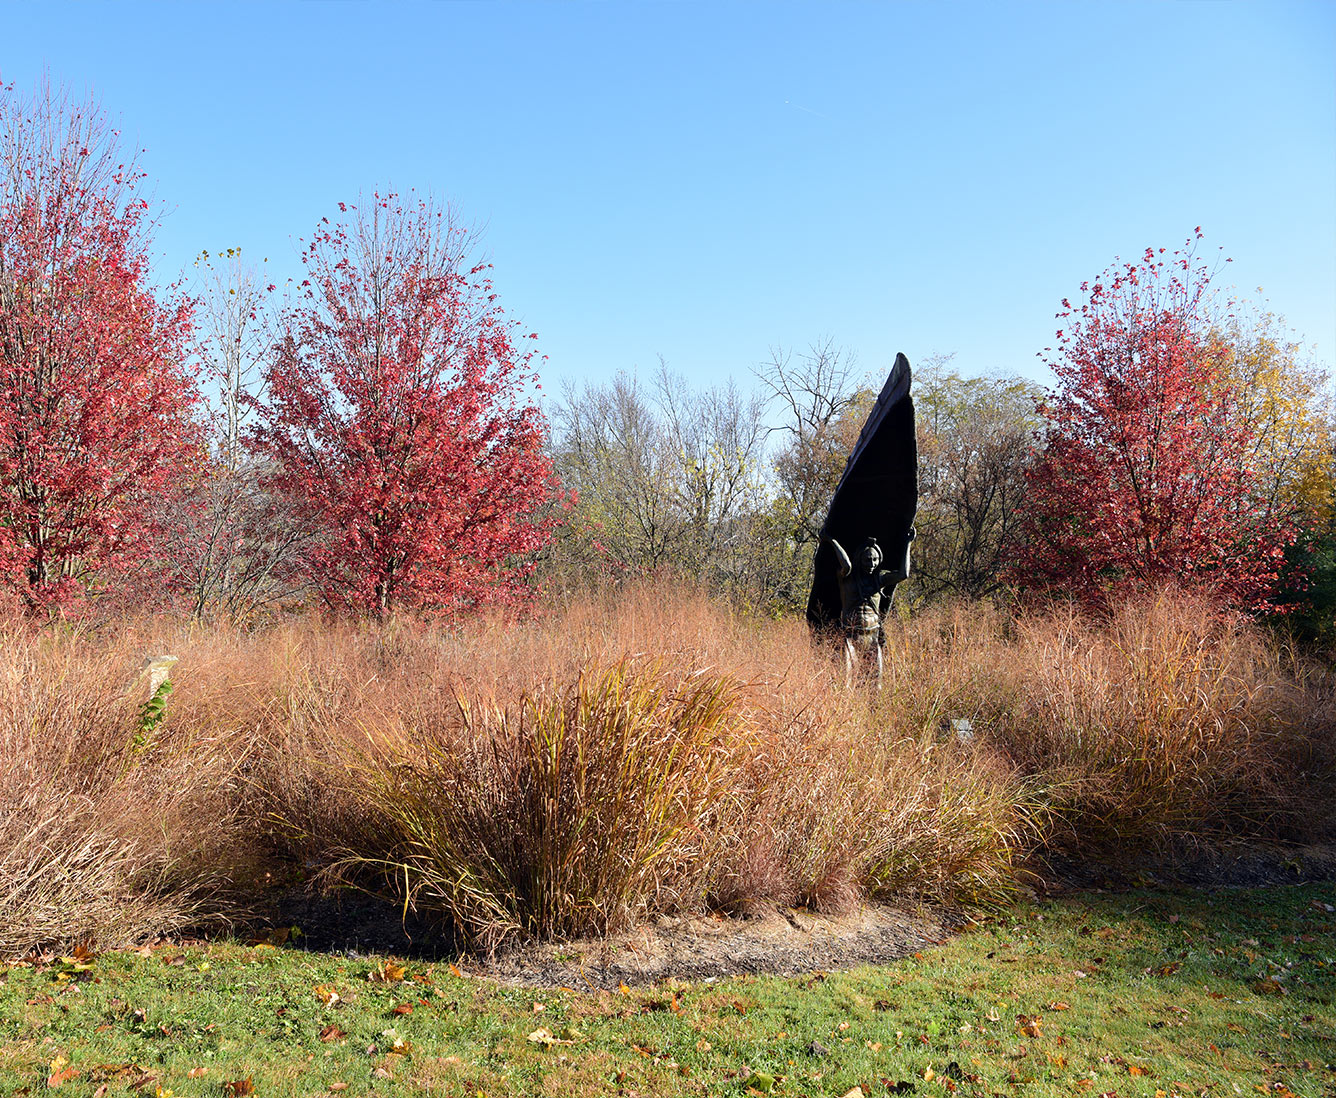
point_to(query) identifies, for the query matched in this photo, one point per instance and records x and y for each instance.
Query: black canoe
(877, 496)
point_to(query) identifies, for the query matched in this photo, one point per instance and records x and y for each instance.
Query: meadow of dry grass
(619, 757)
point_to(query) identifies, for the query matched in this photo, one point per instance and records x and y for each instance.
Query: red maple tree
(1143, 477)
(398, 412)
(96, 404)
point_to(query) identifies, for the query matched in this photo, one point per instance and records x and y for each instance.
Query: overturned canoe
(877, 496)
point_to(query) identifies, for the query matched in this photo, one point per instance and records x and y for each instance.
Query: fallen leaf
(1030, 1025)
(402, 1008)
(336, 1087)
(1059, 1006)
(857, 1092)
(1137, 1069)
(196, 1073)
(388, 972)
(239, 1088)
(327, 994)
(332, 1033)
(61, 1076)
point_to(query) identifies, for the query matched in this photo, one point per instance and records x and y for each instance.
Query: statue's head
(869, 557)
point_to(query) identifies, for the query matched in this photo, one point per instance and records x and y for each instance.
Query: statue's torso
(861, 601)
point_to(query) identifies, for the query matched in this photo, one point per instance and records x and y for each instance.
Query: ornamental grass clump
(571, 811)
(1169, 720)
(106, 837)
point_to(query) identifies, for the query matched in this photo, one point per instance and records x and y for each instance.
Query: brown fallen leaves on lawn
(1030, 1025)
(61, 1073)
(388, 972)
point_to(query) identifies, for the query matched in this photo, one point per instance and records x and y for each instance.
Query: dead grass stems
(641, 752)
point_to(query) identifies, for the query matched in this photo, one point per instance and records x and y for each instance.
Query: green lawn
(1141, 993)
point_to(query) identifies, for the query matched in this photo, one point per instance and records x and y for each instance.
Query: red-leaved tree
(398, 412)
(1143, 480)
(96, 405)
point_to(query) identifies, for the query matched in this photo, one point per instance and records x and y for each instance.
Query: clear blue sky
(707, 180)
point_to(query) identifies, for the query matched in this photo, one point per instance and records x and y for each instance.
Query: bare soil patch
(690, 947)
(784, 941)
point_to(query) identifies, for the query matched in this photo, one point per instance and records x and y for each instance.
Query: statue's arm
(892, 576)
(842, 563)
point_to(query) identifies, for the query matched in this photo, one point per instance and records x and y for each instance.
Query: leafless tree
(975, 437)
(818, 395)
(239, 539)
(667, 477)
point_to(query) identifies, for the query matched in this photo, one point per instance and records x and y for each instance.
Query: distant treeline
(367, 439)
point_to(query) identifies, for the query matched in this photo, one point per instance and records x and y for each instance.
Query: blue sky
(708, 181)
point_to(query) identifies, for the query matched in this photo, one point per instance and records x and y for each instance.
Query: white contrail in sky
(805, 110)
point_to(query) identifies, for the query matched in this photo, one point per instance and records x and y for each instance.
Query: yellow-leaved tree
(1288, 404)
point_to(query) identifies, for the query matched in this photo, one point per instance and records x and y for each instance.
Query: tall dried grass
(1168, 719)
(506, 782)
(641, 752)
(105, 835)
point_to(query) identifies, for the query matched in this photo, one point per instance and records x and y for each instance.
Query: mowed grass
(1144, 993)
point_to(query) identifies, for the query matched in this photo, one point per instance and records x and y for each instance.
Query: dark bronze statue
(867, 591)
(873, 506)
